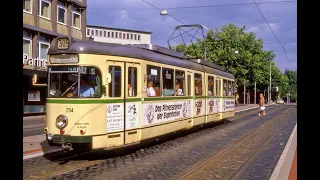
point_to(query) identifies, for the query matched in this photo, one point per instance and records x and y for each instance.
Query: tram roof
(156, 54)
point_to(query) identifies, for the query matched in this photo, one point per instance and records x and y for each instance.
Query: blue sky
(138, 15)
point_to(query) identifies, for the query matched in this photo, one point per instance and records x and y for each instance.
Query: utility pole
(270, 85)
(255, 93)
(244, 92)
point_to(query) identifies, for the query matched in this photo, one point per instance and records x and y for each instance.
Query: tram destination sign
(64, 59)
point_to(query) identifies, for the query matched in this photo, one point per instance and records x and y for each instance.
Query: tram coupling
(66, 147)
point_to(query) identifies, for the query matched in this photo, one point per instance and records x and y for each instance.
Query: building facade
(118, 36)
(44, 20)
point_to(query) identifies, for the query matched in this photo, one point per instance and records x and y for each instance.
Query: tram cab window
(225, 88)
(115, 86)
(153, 81)
(132, 81)
(180, 83)
(210, 85)
(167, 82)
(198, 84)
(64, 82)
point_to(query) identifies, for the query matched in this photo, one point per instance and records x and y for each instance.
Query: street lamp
(163, 12)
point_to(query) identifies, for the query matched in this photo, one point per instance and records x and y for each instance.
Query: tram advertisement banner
(132, 115)
(228, 104)
(115, 117)
(199, 107)
(166, 111)
(213, 105)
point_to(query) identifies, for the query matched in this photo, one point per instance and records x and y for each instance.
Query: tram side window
(218, 88)
(232, 86)
(229, 88)
(167, 82)
(64, 82)
(153, 81)
(225, 88)
(180, 83)
(115, 88)
(189, 85)
(210, 85)
(132, 81)
(198, 84)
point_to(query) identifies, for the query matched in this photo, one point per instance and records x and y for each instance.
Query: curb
(283, 167)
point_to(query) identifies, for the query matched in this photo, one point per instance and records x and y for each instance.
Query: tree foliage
(251, 63)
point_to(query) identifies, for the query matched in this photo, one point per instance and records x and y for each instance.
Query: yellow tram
(110, 95)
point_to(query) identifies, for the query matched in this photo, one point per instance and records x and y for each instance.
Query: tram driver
(85, 89)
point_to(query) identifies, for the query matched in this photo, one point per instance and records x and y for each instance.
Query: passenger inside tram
(178, 90)
(150, 90)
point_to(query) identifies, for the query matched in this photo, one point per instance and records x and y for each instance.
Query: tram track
(230, 163)
(52, 168)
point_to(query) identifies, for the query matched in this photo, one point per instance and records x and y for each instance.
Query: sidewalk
(286, 167)
(34, 146)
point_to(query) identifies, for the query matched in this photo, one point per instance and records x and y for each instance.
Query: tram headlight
(61, 121)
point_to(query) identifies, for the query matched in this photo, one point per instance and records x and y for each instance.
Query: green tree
(292, 83)
(251, 63)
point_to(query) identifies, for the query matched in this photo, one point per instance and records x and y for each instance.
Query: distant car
(280, 101)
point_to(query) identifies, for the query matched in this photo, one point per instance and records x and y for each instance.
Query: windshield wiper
(69, 88)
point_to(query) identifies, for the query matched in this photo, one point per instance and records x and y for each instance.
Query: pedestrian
(262, 107)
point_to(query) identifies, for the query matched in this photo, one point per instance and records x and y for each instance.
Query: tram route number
(69, 110)
(63, 43)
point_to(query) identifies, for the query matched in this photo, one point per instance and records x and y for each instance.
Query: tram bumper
(68, 141)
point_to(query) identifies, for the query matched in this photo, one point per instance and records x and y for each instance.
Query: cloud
(123, 14)
(261, 28)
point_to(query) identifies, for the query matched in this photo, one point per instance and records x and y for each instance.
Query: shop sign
(35, 62)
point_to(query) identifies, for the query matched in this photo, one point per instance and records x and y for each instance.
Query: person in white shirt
(150, 90)
(178, 91)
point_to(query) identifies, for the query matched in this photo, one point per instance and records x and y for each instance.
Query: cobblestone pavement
(263, 165)
(165, 160)
(232, 163)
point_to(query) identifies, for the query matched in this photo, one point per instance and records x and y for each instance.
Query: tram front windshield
(74, 82)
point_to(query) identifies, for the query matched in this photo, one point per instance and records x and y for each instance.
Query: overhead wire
(274, 34)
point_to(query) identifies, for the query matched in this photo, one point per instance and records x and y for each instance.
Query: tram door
(219, 97)
(132, 102)
(115, 102)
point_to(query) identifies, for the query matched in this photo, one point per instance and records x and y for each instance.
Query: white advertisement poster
(132, 115)
(199, 107)
(218, 104)
(228, 104)
(115, 117)
(33, 95)
(212, 106)
(161, 112)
